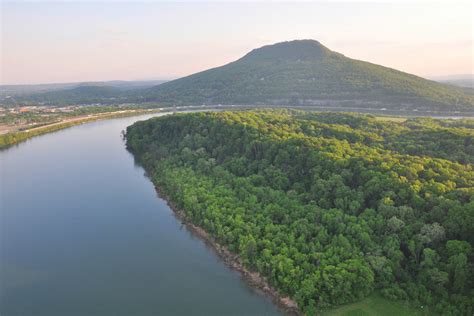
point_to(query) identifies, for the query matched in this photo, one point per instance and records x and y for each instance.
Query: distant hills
(295, 73)
(466, 80)
(81, 94)
(104, 92)
(304, 72)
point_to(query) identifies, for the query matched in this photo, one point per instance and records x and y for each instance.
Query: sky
(65, 41)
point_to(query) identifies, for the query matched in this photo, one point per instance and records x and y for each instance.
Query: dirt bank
(254, 279)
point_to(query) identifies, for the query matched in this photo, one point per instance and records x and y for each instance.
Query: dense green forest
(305, 73)
(328, 207)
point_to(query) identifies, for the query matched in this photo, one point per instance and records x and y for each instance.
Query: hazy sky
(43, 42)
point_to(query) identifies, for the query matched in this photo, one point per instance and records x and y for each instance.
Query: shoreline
(253, 279)
(13, 138)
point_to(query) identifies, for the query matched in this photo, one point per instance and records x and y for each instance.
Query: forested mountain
(296, 73)
(327, 207)
(304, 72)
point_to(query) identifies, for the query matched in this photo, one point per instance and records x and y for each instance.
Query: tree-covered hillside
(327, 207)
(307, 73)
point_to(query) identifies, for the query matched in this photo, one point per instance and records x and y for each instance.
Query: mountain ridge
(299, 49)
(305, 72)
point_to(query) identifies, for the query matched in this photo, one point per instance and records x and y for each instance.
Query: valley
(288, 179)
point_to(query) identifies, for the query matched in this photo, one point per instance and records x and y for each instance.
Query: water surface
(82, 232)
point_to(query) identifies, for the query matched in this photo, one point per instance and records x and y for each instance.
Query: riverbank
(12, 138)
(371, 305)
(232, 260)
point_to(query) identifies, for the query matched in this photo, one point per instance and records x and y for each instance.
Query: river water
(82, 232)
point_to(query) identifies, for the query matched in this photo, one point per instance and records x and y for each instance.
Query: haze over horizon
(74, 42)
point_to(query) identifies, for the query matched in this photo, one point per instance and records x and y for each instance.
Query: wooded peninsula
(329, 208)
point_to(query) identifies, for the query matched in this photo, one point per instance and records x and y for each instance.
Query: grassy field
(375, 305)
(391, 118)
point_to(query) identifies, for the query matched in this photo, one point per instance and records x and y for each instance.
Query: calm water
(83, 233)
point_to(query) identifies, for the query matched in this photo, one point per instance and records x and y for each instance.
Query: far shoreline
(9, 139)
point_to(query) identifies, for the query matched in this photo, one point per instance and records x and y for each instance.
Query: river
(82, 232)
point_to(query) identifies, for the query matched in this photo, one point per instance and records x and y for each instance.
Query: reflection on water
(83, 233)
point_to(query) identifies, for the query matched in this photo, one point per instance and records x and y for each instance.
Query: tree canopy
(328, 207)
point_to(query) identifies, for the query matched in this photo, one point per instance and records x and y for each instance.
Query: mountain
(304, 72)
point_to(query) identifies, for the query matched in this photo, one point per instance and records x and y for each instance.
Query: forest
(329, 208)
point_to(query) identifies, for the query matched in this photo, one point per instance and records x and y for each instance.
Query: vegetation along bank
(328, 208)
(11, 138)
